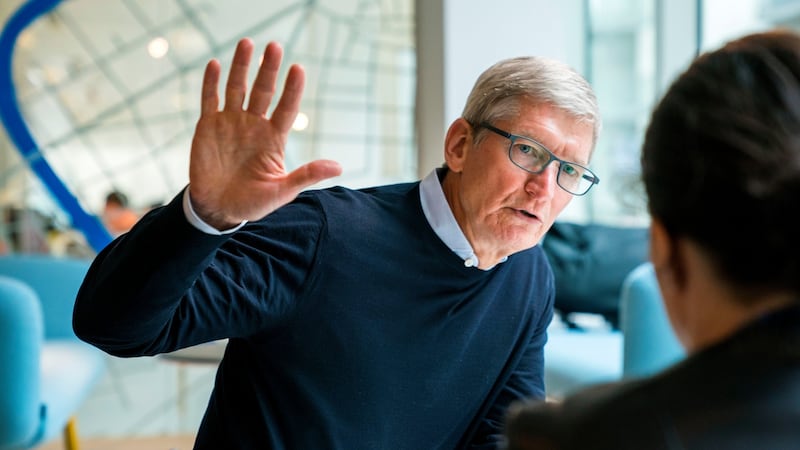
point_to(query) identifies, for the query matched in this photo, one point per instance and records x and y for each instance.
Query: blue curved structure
(96, 234)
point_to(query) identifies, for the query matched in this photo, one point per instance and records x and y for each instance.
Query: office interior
(108, 91)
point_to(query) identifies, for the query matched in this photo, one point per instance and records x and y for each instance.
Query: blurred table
(208, 353)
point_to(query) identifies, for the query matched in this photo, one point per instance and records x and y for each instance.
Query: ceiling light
(158, 47)
(54, 74)
(300, 122)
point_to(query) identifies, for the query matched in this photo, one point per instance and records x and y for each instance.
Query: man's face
(501, 208)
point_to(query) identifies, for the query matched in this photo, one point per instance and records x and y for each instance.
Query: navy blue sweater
(351, 325)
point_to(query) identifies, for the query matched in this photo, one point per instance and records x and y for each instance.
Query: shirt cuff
(198, 223)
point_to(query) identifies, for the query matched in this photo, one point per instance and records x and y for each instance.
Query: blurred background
(110, 93)
(109, 90)
(102, 96)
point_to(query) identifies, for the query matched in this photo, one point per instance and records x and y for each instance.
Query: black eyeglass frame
(588, 175)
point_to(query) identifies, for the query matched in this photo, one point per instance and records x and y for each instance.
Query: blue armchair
(46, 372)
(650, 345)
(643, 344)
(590, 263)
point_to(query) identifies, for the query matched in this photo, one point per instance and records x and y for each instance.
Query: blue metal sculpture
(96, 234)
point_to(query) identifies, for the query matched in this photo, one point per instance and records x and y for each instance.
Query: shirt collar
(439, 215)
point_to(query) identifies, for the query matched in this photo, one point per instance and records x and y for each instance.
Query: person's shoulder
(595, 402)
(533, 262)
(340, 194)
(581, 406)
(603, 416)
(391, 189)
(377, 190)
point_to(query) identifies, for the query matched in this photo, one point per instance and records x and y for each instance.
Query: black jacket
(742, 393)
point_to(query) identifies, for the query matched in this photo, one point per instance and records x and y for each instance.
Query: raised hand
(236, 169)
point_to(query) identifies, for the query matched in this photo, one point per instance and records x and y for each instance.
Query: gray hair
(500, 89)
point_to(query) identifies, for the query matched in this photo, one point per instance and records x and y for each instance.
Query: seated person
(118, 217)
(721, 167)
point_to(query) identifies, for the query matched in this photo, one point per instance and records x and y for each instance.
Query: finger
(312, 173)
(289, 104)
(236, 88)
(264, 85)
(209, 98)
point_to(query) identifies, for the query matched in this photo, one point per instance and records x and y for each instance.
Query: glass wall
(622, 68)
(635, 48)
(110, 91)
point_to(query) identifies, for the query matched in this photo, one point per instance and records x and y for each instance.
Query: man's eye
(525, 148)
(570, 170)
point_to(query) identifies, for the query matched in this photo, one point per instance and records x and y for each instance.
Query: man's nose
(544, 183)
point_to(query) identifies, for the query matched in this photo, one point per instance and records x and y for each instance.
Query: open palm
(236, 169)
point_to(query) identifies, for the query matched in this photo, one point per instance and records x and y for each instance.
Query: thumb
(312, 173)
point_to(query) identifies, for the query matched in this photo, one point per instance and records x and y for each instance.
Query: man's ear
(457, 143)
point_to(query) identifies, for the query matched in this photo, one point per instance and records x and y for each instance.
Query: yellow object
(71, 434)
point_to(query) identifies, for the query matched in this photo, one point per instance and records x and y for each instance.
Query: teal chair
(650, 345)
(643, 345)
(590, 263)
(46, 373)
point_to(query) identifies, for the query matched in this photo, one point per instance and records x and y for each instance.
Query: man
(404, 317)
(720, 160)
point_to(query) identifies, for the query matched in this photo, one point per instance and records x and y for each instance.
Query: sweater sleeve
(526, 381)
(166, 285)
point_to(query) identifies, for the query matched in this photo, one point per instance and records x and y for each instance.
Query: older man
(406, 316)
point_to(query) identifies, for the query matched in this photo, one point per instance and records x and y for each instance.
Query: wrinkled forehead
(561, 132)
(514, 108)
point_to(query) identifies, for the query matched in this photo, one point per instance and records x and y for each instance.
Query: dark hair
(118, 198)
(721, 159)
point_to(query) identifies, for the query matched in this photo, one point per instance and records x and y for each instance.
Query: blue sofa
(46, 372)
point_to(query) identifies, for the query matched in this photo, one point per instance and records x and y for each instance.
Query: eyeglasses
(531, 156)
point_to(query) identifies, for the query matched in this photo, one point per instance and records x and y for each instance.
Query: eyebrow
(566, 159)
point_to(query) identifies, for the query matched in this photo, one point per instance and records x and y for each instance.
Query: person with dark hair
(118, 217)
(117, 198)
(406, 316)
(721, 168)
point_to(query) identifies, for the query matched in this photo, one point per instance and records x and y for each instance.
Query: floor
(145, 403)
(153, 443)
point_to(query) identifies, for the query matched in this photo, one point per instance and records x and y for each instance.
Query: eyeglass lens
(531, 156)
